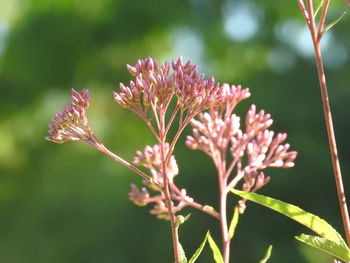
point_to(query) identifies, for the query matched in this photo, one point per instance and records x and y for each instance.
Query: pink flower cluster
(71, 123)
(239, 153)
(252, 148)
(155, 85)
(151, 159)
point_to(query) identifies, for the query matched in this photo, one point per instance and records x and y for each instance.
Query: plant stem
(332, 143)
(103, 149)
(166, 191)
(316, 35)
(223, 219)
(191, 202)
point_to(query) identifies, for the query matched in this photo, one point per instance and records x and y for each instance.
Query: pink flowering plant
(172, 96)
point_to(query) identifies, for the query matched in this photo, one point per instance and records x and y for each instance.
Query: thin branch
(316, 37)
(150, 126)
(203, 208)
(172, 118)
(166, 191)
(232, 165)
(312, 25)
(235, 180)
(322, 20)
(303, 10)
(223, 216)
(103, 149)
(332, 143)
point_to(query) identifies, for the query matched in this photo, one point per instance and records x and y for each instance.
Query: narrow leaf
(313, 222)
(182, 255)
(339, 251)
(216, 251)
(187, 217)
(267, 255)
(233, 223)
(335, 22)
(199, 250)
(320, 4)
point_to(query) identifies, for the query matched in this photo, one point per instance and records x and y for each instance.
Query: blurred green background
(68, 203)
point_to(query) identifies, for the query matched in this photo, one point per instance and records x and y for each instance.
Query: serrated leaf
(335, 22)
(199, 250)
(216, 251)
(339, 251)
(311, 221)
(182, 255)
(267, 255)
(320, 4)
(233, 223)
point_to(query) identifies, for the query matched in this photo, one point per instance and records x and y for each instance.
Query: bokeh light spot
(241, 20)
(281, 60)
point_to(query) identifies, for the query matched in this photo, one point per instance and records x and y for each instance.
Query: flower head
(71, 123)
(230, 96)
(151, 159)
(193, 91)
(138, 196)
(152, 86)
(156, 85)
(252, 149)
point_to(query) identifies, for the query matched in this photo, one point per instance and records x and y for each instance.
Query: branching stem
(316, 34)
(166, 190)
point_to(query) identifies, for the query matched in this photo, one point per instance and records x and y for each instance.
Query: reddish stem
(203, 208)
(316, 35)
(102, 148)
(223, 218)
(166, 190)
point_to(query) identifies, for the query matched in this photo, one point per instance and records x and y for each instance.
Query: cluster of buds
(252, 149)
(155, 85)
(71, 123)
(151, 159)
(217, 132)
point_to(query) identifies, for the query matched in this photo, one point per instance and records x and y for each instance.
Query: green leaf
(313, 222)
(199, 250)
(233, 223)
(267, 255)
(216, 251)
(330, 241)
(335, 22)
(182, 255)
(320, 4)
(328, 246)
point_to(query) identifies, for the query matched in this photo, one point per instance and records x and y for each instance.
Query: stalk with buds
(172, 96)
